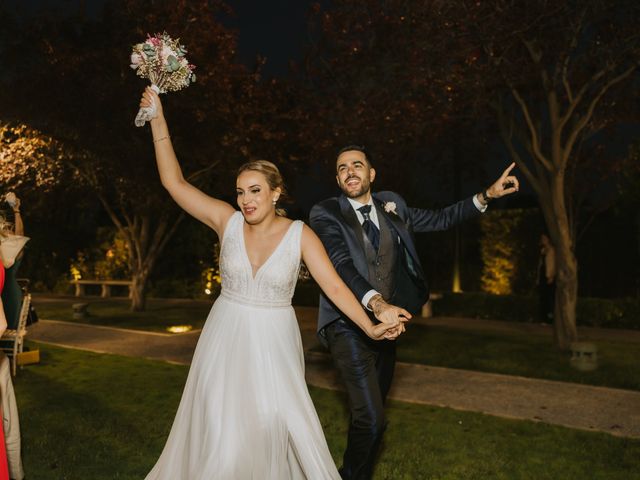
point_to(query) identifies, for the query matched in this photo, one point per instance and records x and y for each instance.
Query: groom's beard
(365, 187)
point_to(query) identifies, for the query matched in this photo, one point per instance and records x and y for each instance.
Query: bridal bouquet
(161, 60)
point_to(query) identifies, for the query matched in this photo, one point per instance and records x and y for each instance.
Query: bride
(245, 412)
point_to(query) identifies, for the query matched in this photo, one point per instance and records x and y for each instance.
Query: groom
(369, 238)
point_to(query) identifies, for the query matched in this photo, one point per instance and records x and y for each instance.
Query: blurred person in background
(12, 240)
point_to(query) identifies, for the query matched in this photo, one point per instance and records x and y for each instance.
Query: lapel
(398, 225)
(351, 220)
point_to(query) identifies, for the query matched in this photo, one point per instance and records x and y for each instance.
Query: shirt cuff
(478, 205)
(368, 296)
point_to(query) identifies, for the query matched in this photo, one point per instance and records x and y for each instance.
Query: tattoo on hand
(377, 305)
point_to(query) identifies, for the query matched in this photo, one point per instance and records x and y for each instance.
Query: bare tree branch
(584, 120)
(535, 139)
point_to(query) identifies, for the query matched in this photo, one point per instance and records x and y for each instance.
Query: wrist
(376, 304)
(161, 138)
(158, 119)
(374, 300)
(485, 196)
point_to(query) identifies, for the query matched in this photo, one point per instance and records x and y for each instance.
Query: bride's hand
(389, 331)
(150, 98)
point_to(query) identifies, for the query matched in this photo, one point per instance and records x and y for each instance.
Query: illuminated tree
(28, 158)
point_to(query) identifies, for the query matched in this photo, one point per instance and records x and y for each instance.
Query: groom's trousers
(366, 367)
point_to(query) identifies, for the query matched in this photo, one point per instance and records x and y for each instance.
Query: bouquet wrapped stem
(162, 61)
(146, 114)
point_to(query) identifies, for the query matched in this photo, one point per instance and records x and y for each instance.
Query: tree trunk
(566, 298)
(564, 319)
(145, 247)
(138, 291)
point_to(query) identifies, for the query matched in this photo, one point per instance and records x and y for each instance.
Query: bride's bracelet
(156, 140)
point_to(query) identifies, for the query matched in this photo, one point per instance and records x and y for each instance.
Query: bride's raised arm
(208, 210)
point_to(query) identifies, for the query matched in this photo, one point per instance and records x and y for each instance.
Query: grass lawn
(518, 354)
(86, 415)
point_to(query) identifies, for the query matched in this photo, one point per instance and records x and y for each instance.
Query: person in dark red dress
(4, 467)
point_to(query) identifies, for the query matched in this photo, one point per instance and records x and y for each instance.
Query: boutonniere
(390, 207)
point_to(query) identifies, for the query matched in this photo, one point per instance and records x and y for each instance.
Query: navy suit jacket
(335, 222)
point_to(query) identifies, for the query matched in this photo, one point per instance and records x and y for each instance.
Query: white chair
(13, 340)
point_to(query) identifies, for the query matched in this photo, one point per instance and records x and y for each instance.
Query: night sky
(275, 29)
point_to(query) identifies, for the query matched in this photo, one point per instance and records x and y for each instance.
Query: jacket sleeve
(445, 218)
(330, 232)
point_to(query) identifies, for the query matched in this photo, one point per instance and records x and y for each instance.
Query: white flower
(390, 207)
(136, 60)
(166, 53)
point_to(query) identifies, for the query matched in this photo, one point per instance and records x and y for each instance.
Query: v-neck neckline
(246, 253)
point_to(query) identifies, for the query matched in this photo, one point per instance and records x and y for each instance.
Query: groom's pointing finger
(508, 169)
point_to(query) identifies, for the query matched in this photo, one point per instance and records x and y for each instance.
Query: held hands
(393, 318)
(505, 185)
(383, 331)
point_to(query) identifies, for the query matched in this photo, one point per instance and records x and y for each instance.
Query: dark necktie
(369, 227)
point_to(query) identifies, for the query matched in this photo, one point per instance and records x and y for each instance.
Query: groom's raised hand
(505, 185)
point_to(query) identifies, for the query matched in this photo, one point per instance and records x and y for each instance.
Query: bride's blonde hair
(273, 176)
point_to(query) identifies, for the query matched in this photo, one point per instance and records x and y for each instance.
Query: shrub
(592, 312)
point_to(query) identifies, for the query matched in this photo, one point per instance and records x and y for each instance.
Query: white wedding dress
(246, 413)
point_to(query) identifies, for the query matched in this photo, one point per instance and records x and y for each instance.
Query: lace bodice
(275, 281)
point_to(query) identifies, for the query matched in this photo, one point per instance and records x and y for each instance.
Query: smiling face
(255, 197)
(355, 175)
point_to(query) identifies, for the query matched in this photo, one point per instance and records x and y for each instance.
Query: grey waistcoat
(382, 264)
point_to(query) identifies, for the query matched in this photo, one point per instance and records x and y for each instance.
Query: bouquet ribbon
(146, 114)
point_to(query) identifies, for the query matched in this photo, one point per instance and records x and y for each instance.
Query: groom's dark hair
(357, 148)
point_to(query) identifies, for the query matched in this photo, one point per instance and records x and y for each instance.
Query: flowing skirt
(245, 412)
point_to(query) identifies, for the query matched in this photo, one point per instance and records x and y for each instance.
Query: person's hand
(505, 185)
(12, 200)
(389, 314)
(384, 331)
(394, 333)
(149, 99)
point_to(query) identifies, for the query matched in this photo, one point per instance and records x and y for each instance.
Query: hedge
(591, 312)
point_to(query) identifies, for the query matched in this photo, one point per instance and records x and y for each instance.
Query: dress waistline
(243, 300)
